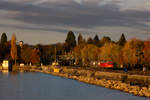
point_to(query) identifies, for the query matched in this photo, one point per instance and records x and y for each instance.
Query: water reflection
(8, 74)
(38, 86)
(5, 71)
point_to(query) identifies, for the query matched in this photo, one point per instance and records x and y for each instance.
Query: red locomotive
(107, 64)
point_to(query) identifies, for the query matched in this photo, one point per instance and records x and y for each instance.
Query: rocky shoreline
(89, 78)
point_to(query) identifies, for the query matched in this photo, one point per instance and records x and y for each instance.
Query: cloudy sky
(48, 21)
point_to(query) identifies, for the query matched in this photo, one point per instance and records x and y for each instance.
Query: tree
(13, 48)
(96, 40)
(146, 54)
(89, 40)
(26, 52)
(105, 39)
(35, 57)
(122, 40)
(77, 53)
(132, 52)
(70, 41)
(111, 51)
(89, 53)
(80, 39)
(3, 45)
(3, 39)
(41, 53)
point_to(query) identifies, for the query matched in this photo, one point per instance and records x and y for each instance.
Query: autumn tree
(25, 56)
(89, 53)
(13, 48)
(105, 39)
(35, 57)
(111, 52)
(77, 53)
(146, 54)
(132, 52)
(70, 41)
(122, 40)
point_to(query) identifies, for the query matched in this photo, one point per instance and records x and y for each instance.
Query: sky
(48, 21)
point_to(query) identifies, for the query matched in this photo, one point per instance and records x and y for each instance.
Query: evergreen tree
(90, 40)
(3, 39)
(80, 39)
(96, 40)
(70, 41)
(122, 40)
(3, 47)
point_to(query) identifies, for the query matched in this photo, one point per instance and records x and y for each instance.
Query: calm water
(39, 86)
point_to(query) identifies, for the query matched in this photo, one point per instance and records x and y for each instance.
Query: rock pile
(88, 76)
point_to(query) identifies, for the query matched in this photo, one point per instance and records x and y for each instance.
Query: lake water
(39, 86)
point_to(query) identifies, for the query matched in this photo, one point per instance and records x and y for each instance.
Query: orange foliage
(111, 51)
(13, 48)
(35, 58)
(146, 50)
(132, 52)
(89, 53)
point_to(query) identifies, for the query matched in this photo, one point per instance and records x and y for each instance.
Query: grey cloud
(34, 28)
(62, 30)
(75, 15)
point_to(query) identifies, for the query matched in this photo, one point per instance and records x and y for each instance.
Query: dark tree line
(46, 54)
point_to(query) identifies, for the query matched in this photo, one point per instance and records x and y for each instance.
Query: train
(106, 64)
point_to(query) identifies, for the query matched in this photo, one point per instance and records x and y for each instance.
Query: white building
(6, 65)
